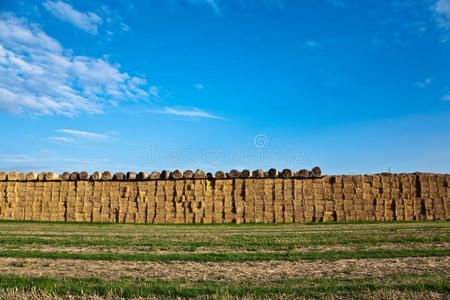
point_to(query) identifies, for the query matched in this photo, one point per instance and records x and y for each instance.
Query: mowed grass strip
(193, 238)
(230, 256)
(173, 229)
(323, 287)
(236, 243)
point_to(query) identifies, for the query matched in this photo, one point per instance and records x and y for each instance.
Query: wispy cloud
(78, 135)
(39, 76)
(424, 84)
(191, 112)
(64, 139)
(50, 161)
(87, 21)
(210, 3)
(338, 3)
(442, 10)
(217, 5)
(199, 86)
(446, 97)
(311, 44)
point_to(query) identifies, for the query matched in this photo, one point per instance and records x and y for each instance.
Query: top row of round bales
(155, 175)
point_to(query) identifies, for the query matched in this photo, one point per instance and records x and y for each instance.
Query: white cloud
(446, 97)
(338, 3)
(51, 161)
(186, 112)
(64, 139)
(425, 83)
(211, 3)
(199, 86)
(311, 44)
(87, 21)
(39, 76)
(83, 135)
(442, 10)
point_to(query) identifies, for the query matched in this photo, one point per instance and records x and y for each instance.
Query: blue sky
(351, 86)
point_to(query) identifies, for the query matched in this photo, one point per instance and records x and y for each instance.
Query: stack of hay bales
(239, 197)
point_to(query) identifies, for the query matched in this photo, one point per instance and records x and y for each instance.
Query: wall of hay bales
(242, 200)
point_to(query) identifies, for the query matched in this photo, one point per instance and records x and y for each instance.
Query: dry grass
(270, 270)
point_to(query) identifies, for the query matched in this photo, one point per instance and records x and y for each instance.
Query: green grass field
(336, 260)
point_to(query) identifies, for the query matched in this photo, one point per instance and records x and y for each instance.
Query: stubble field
(347, 260)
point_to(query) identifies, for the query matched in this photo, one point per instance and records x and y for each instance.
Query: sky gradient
(350, 86)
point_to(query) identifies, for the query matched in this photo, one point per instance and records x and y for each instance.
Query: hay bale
(74, 176)
(142, 176)
(220, 175)
(177, 174)
(50, 176)
(96, 176)
(21, 177)
(287, 173)
(107, 175)
(199, 174)
(155, 175)
(41, 176)
(234, 174)
(316, 172)
(32, 176)
(258, 173)
(273, 173)
(119, 176)
(303, 173)
(12, 176)
(188, 174)
(131, 176)
(165, 174)
(3, 175)
(210, 175)
(246, 173)
(65, 176)
(84, 175)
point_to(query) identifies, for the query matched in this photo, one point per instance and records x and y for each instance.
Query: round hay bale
(210, 175)
(96, 176)
(142, 176)
(199, 174)
(155, 175)
(220, 175)
(246, 173)
(165, 174)
(273, 173)
(119, 176)
(32, 176)
(188, 174)
(131, 176)
(107, 175)
(177, 174)
(65, 176)
(258, 173)
(21, 176)
(303, 173)
(3, 175)
(84, 175)
(316, 172)
(234, 174)
(74, 176)
(41, 176)
(50, 176)
(12, 176)
(287, 173)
